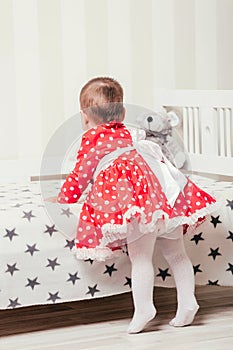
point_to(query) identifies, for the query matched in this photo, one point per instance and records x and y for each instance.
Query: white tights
(140, 253)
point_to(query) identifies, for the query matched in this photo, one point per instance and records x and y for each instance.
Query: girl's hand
(52, 200)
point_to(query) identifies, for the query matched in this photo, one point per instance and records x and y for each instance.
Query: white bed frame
(207, 127)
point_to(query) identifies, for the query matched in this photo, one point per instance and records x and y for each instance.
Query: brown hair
(102, 99)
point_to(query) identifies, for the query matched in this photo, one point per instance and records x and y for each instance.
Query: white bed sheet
(37, 263)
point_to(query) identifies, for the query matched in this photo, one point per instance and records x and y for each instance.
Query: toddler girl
(136, 197)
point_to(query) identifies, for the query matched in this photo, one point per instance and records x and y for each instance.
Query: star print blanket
(37, 263)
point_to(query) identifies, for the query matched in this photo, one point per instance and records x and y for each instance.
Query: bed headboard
(207, 127)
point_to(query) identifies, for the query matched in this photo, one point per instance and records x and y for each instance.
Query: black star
(230, 268)
(197, 238)
(12, 268)
(196, 269)
(230, 204)
(70, 244)
(50, 230)
(128, 282)
(53, 297)
(66, 212)
(125, 250)
(215, 283)
(93, 290)
(110, 269)
(163, 273)
(28, 215)
(10, 234)
(52, 263)
(230, 235)
(13, 303)
(90, 261)
(73, 278)
(32, 283)
(31, 249)
(214, 253)
(215, 221)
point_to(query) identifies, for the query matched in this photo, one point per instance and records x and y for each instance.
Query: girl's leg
(142, 274)
(174, 252)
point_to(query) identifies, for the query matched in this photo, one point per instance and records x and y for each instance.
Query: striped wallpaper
(50, 48)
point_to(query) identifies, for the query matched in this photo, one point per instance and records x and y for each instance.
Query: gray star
(197, 238)
(230, 236)
(31, 249)
(12, 268)
(214, 253)
(50, 230)
(213, 283)
(53, 297)
(110, 269)
(73, 278)
(10, 233)
(13, 303)
(163, 273)
(128, 282)
(93, 290)
(17, 205)
(230, 268)
(230, 204)
(32, 283)
(89, 260)
(28, 215)
(69, 244)
(52, 263)
(196, 269)
(66, 212)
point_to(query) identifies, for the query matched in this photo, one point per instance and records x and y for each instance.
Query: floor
(101, 324)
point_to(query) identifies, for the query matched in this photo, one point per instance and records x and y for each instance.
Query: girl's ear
(84, 120)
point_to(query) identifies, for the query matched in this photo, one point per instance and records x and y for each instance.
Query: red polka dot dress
(124, 188)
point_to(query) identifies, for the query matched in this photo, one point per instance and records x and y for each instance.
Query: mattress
(37, 262)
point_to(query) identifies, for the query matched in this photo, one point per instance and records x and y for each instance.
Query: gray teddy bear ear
(174, 118)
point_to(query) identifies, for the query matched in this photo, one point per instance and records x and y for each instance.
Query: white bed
(37, 264)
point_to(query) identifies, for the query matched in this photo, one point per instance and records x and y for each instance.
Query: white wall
(50, 48)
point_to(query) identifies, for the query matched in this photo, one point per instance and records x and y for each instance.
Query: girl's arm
(77, 181)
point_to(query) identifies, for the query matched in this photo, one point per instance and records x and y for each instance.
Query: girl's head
(101, 101)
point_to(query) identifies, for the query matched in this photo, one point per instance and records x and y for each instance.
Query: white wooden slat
(8, 113)
(119, 45)
(191, 128)
(96, 37)
(74, 60)
(206, 64)
(142, 60)
(202, 98)
(185, 129)
(27, 73)
(196, 130)
(50, 60)
(163, 43)
(229, 131)
(221, 132)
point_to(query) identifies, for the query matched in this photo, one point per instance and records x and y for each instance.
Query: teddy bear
(158, 128)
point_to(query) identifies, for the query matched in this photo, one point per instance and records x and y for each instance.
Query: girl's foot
(184, 317)
(140, 320)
